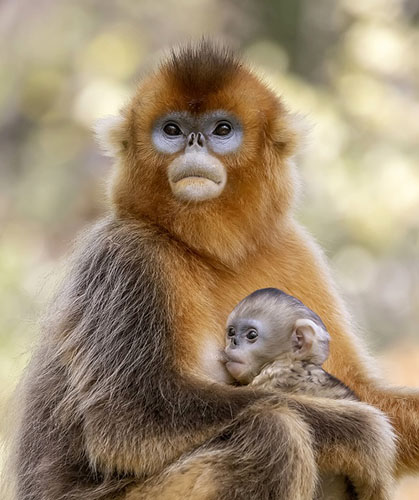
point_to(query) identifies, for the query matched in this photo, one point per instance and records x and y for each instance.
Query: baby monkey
(275, 342)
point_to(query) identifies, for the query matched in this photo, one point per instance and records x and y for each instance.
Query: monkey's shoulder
(124, 233)
(120, 246)
(115, 290)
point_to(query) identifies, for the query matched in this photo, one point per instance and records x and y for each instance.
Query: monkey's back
(302, 377)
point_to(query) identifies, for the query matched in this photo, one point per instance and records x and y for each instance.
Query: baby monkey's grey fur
(274, 341)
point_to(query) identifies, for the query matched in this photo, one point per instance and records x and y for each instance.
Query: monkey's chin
(237, 371)
(196, 188)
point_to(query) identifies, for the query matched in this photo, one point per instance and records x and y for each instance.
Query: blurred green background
(350, 66)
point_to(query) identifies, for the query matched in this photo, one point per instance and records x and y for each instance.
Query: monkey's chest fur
(301, 377)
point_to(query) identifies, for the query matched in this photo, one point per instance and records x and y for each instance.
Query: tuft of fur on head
(197, 69)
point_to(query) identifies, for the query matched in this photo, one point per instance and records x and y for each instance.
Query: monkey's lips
(197, 183)
(196, 175)
(191, 180)
(235, 366)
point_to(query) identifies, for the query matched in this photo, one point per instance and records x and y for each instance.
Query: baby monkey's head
(270, 325)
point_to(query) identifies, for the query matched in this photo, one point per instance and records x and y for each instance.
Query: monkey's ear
(310, 341)
(303, 336)
(112, 135)
(291, 133)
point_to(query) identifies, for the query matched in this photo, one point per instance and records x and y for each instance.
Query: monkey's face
(252, 342)
(242, 349)
(202, 151)
(269, 325)
(196, 174)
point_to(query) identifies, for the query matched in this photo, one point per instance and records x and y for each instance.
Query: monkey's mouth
(231, 363)
(196, 175)
(195, 188)
(192, 182)
(231, 358)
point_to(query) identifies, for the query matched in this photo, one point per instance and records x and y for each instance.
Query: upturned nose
(196, 140)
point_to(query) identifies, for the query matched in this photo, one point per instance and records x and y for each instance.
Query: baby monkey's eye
(231, 332)
(172, 129)
(252, 335)
(223, 128)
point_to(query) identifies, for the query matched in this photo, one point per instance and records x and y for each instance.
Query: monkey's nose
(200, 139)
(197, 140)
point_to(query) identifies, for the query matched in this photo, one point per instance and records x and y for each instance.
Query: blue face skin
(222, 131)
(243, 345)
(252, 341)
(244, 331)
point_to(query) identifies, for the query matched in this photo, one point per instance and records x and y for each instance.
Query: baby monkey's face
(249, 346)
(270, 325)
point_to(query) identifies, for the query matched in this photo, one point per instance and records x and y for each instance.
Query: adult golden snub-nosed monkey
(126, 393)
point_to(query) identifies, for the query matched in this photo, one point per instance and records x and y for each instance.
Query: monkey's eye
(172, 129)
(223, 128)
(252, 335)
(231, 332)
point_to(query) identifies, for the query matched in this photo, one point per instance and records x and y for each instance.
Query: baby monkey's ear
(310, 341)
(304, 337)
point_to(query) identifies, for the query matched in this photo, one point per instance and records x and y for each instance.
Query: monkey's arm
(108, 408)
(138, 412)
(303, 266)
(351, 439)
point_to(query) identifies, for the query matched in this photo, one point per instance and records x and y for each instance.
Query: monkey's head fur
(202, 151)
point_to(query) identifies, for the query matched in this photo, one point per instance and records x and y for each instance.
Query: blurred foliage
(351, 66)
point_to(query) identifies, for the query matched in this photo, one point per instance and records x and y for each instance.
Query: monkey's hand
(353, 439)
(402, 407)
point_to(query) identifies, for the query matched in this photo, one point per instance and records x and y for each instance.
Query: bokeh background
(350, 66)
